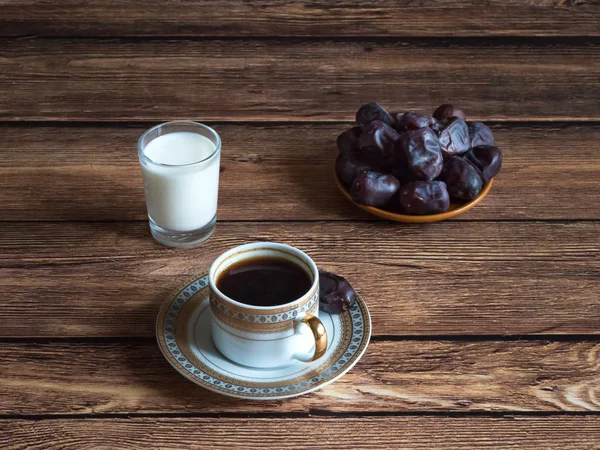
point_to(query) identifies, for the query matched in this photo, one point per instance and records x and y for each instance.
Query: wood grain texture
(404, 376)
(280, 80)
(276, 172)
(523, 433)
(298, 18)
(109, 279)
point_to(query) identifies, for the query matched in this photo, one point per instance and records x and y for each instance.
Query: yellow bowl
(456, 209)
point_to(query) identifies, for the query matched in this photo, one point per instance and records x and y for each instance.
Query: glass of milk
(180, 167)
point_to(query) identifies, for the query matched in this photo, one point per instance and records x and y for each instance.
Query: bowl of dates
(413, 167)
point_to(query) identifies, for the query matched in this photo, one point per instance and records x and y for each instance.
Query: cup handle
(319, 333)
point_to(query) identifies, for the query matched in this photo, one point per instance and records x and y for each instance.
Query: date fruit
(414, 162)
(487, 159)
(438, 127)
(424, 197)
(347, 142)
(447, 112)
(372, 111)
(335, 293)
(373, 188)
(399, 164)
(414, 121)
(422, 152)
(348, 166)
(376, 142)
(454, 138)
(397, 116)
(462, 178)
(480, 134)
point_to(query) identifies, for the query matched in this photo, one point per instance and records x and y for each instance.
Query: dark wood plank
(276, 172)
(523, 433)
(298, 18)
(294, 80)
(392, 376)
(94, 279)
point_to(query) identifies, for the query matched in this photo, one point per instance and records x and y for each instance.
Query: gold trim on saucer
(172, 331)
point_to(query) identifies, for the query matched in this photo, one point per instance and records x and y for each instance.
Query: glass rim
(145, 157)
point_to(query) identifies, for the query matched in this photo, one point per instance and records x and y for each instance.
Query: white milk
(181, 198)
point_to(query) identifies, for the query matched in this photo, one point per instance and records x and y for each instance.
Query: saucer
(183, 331)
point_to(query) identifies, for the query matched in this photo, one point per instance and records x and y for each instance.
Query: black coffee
(264, 281)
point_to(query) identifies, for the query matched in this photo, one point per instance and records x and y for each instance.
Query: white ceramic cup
(272, 336)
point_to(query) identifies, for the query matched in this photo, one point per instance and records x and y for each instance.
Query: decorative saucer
(183, 330)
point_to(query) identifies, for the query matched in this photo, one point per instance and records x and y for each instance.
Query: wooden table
(486, 328)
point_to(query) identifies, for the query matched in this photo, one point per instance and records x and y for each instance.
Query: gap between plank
(307, 415)
(267, 221)
(436, 41)
(513, 123)
(144, 340)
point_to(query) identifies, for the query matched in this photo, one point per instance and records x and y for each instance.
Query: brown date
(335, 293)
(348, 166)
(486, 158)
(424, 197)
(422, 153)
(372, 111)
(454, 137)
(373, 188)
(447, 112)
(480, 134)
(347, 142)
(376, 142)
(399, 165)
(414, 121)
(396, 116)
(462, 178)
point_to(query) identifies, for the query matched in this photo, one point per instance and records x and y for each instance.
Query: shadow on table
(94, 195)
(156, 386)
(97, 195)
(319, 193)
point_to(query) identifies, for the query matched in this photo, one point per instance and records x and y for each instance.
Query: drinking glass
(180, 167)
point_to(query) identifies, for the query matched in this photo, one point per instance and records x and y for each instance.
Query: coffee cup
(270, 336)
